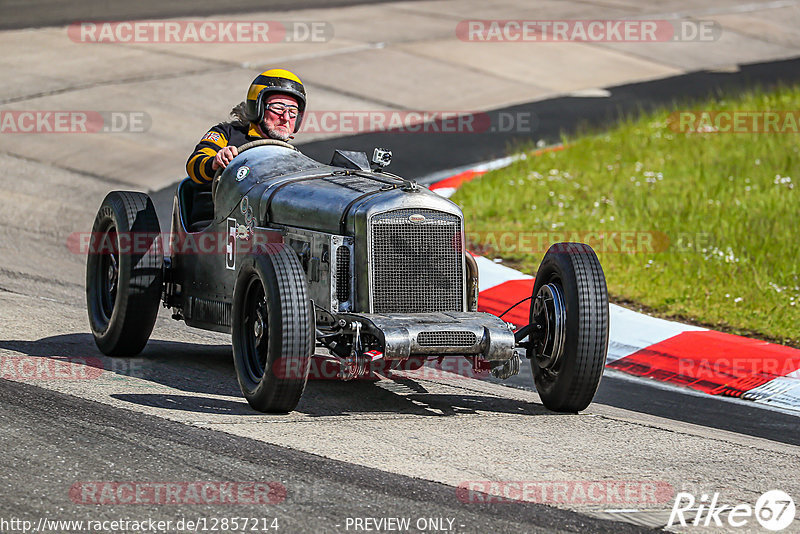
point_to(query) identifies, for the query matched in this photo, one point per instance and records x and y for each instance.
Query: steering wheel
(246, 146)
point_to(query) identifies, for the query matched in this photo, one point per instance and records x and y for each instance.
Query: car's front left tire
(571, 317)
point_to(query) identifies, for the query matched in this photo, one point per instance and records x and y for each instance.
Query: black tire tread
(296, 326)
(574, 390)
(139, 290)
(593, 329)
(282, 277)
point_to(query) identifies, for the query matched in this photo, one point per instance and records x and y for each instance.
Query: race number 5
(230, 246)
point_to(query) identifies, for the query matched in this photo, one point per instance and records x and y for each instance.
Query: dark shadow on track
(186, 403)
(184, 366)
(352, 399)
(202, 370)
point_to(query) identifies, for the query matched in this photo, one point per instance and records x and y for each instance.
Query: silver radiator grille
(417, 266)
(447, 338)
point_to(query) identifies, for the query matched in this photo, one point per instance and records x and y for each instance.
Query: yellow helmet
(274, 81)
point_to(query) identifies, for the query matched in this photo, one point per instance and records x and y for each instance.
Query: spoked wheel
(124, 273)
(570, 318)
(550, 311)
(108, 273)
(273, 329)
(255, 320)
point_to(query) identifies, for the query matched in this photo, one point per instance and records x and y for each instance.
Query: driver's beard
(280, 136)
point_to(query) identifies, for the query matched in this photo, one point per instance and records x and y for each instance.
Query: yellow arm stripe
(203, 163)
(190, 165)
(195, 168)
(208, 151)
(193, 160)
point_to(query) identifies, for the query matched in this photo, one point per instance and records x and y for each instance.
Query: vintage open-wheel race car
(287, 254)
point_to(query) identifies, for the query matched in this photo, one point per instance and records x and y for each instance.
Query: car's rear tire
(124, 273)
(273, 329)
(570, 307)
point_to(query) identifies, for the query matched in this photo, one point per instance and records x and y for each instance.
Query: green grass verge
(712, 218)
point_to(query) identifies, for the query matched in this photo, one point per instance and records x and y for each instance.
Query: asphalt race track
(138, 447)
(72, 419)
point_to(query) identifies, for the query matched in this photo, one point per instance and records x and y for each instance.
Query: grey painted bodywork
(278, 194)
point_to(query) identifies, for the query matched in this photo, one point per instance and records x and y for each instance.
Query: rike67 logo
(774, 510)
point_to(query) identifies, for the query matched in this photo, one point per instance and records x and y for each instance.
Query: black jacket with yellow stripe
(224, 134)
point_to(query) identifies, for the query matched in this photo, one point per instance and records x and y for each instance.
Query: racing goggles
(279, 109)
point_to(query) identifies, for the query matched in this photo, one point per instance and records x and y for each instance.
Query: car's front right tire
(272, 329)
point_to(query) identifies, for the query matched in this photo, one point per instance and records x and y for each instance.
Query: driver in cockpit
(274, 109)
